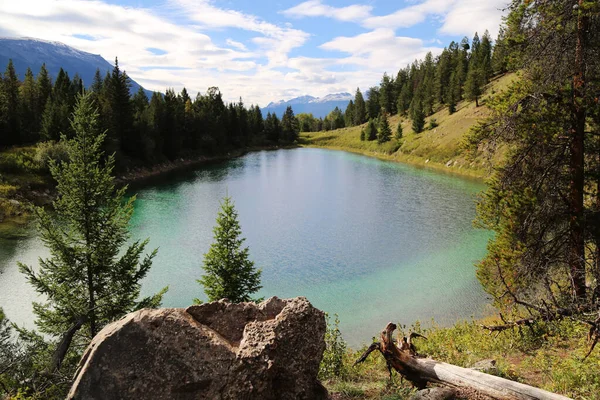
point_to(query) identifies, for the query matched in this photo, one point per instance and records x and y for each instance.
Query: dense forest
(460, 72)
(140, 131)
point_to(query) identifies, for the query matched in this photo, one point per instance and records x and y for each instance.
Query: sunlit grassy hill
(438, 148)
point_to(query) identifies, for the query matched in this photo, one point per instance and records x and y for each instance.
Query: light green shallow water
(370, 240)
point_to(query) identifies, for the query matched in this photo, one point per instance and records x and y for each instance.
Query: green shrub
(433, 124)
(50, 151)
(332, 364)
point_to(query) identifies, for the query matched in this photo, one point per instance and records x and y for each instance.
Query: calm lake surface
(370, 240)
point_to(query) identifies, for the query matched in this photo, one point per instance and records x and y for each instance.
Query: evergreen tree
(289, 126)
(474, 85)
(485, 57)
(272, 127)
(387, 95)
(29, 110)
(384, 132)
(120, 120)
(371, 130)
(44, 88)
(349, 114)
(540, 201)
(360, 110)
(452, 94)
(88, 281)
(228, 271)
(11, 92)
(418, 117)
(373, 103)
(399, 132)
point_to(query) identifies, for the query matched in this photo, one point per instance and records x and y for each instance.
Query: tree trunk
(576, 167)
(421, 371)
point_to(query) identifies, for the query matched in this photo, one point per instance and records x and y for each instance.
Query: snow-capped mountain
(32, 53)
(317, 106)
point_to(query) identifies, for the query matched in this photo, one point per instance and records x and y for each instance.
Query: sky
(260, 50)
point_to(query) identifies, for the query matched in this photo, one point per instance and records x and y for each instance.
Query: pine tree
(371, 130)
(349, 114)
(373, 104)
(418, 116)
(11, 91)
(229, 273)
(44, 88)
(120, 121)
(289, 126)
(360, 110)
(88, 281)
(28, 108)
(399, 132)
(540, 201)
(474, 85)
(384, 132)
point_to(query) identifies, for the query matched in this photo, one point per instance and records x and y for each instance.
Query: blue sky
(260, 50)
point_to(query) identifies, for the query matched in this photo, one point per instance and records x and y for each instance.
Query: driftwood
(421, 371)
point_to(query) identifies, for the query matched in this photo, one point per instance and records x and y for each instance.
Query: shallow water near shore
(370, 240)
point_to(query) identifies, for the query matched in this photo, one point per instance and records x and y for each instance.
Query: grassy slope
(439, 148)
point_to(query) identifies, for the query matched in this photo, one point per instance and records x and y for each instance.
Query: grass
(548, 356)
(439, 148)
(20, 177)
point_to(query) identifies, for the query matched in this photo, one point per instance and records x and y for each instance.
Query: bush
(332, 364)
(51, 150)
(433, 124)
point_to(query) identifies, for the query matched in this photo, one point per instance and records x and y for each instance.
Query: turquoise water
(370, 240)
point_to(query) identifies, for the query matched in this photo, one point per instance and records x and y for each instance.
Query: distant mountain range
(32, 53)
(319, 107)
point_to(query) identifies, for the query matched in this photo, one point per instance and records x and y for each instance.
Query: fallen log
(421, 371)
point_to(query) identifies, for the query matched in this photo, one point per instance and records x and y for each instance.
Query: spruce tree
(28, 108)
(399, 132)
(349, 114)
(360, 110)
(371, 129)
(418, 117)
(90, 279)
(289, 126)
(474, 85)
(44, 88)
(384, 132)
(228, 271)
(11, 91)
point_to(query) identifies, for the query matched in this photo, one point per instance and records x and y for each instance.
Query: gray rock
(218, 350)
(488, 366)
(436, 393)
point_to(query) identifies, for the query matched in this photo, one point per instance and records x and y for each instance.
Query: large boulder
(218, 350)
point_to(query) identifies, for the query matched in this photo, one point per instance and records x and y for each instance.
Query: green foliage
(332, 364)
(89, 280)
(371, 130)
(360, 108)
(433, 124)
(228, 271)
(50, 152)
(399, 130)
(384, 132)
(289, 126)
(418, 117)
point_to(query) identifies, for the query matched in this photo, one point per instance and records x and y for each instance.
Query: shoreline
(414, 161)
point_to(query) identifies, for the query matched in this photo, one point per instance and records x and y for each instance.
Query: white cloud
(458, 17)
(469, 16)
(237, 45)
(315, 8)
